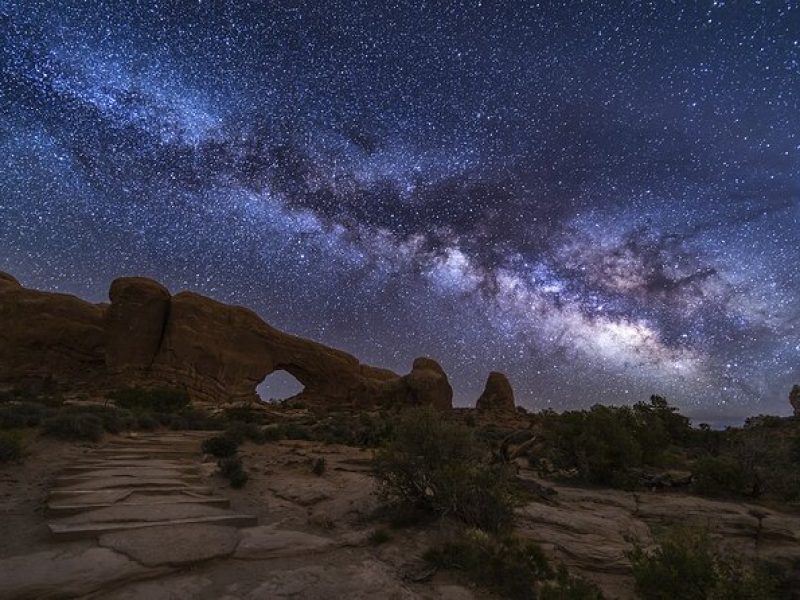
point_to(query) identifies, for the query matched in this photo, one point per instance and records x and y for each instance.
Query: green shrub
(438, 466)
(719, 476)
(241, 431)
(245, 414)
(23, 414)
(318, 466)
(509, 566)
(295, 431)
(272, 433)
(153, 400)
(567, 587)
(74, 426)
(10, 446)
(686, 565)
(231, 468)
(220, 446)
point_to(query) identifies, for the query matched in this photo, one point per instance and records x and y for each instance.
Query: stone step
(126, 472)
(80, 468)
(70, 531)
(126, 482)
(65, 508)
(174, 488)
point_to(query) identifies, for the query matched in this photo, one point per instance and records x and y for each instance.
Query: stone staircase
(139, 482)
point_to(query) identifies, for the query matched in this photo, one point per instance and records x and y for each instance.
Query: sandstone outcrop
(218, 353)
(794, 400)
(498, 395)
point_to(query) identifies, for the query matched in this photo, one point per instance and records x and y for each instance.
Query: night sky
(599, 199)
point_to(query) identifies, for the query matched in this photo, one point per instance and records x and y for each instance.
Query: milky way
(601, 201)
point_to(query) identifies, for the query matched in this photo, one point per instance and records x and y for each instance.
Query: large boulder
(498, 395)
(794, 400)
(427, 384)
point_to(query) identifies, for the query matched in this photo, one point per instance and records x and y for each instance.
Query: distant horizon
(602, 203)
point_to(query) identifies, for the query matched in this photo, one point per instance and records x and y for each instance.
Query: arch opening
(278, 386)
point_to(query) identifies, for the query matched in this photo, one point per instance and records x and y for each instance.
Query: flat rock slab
(125, 482)
(123, 512)
(152, 472)
(77, 531)
(161, 489)
(173, 544)
(267, 541)
(64, 508)
(60, 574)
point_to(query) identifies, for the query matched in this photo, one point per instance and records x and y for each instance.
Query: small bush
(272, 433)
(567, 587)
(318, 466)
(74, 426)
(241, 431)
(294, 431)
(10, 446)
(685, 565)
(508, 566)
(160, 400)
(719, 476)
(23, 414)
(231, 468)
(220, 446)
(439, 466)
(245, 414)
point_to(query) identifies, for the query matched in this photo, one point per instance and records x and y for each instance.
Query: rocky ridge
(218, 353)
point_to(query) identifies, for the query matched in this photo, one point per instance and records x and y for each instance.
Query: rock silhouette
(794, 399)
(218, 353)
(497, 394)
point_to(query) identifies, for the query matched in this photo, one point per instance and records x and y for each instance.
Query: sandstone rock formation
(794, 400)
(427, 384)
(216, 352)
(498, 395)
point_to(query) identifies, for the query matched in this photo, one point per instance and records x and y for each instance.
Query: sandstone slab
(173, 544)
(66, 574)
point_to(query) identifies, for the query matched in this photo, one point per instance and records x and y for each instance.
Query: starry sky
(600, 199)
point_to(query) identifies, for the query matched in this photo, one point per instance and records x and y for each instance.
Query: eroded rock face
(794, 400)
(497, 394)
(217, 352)
(46, 335)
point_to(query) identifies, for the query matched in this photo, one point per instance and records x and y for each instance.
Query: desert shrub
(153, 400)
(438, 466)
(10, 445)
(241, 431)
(364, 429)
(295, 431)
(272, 433)
(23, 414)
(70, 425)
(220, 446)
(147, 422)
(231, 468)
(686, 565)
(113, 419)
(318, 466)
(508, 566)
(245, 414)
(719, 476)
(568, 587)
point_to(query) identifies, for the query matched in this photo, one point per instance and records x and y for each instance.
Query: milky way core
(599, 199)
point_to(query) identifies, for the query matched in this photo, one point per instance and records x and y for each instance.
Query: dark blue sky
(599, 199)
